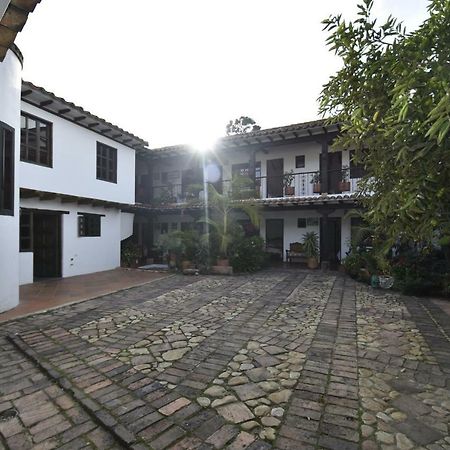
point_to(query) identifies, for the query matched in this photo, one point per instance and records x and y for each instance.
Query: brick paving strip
(78, 367)
(282, 359)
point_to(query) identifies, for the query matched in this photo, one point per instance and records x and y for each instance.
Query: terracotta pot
(186, 264)
(223, 262)
(316, 188)
(289, 190)
(344, 186)
(312, 263)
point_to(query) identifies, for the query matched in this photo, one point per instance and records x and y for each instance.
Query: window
(26, 231)
(356, 170)
(6, 170)
(300, 161)
(174, 226)
(312, 222)
(89, 225)
(301, 222)
(164, 228)
(106, 163)
(35, 140)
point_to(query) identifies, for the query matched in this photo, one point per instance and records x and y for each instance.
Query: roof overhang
(47, 101)
(262, 139)
(12, 21)
(310, 202)
(65, 198)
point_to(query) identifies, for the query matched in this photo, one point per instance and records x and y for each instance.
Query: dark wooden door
(275, 238)
(330, 240)
(47, 245)
(275, 177)
(334, 172)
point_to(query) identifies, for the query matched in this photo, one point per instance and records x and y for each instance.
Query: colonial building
(76, 178)
(13, 16)
(298, 181)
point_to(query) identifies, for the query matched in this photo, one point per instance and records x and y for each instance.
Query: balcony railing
(302, 184)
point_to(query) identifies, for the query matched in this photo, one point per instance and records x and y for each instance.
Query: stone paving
(283, 359)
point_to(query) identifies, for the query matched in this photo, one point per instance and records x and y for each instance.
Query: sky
(176, 71)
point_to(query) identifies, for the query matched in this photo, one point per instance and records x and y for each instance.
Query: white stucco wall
(74, 170)
(25, 267)
(294, 234)
(81, 255)
(126, 225)
(10, 84)
(227, 158)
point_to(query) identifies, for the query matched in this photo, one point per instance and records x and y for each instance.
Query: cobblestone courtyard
(281, 359)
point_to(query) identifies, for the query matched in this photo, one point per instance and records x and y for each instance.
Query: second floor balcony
(304, 184)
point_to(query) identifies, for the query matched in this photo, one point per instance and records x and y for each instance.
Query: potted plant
(344, 184)
(288, 178)
(222, 206)
(315, 181)
(385, 280)
(172, 245)
(311, 249)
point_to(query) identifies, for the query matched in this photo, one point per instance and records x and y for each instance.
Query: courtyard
(284, 359)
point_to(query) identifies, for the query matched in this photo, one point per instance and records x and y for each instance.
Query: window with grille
(106, 163)
(89, 225)
(26, 231)
(35, 140)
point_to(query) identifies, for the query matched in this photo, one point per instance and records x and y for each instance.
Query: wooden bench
(296, 253)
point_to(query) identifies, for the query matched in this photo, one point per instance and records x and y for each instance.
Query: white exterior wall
(74, 170)
(293, 234)
(80, 255)
(227, 158)
(10, 85)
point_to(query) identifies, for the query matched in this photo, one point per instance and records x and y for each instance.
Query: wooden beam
(64, 111)
(92, 125)
(26, 92)
(78, 118)
(46, 102)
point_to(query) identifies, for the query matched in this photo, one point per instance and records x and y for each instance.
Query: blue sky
(173, 70)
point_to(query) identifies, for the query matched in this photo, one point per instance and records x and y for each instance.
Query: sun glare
(203, 142)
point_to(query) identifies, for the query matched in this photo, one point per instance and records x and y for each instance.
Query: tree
(392, 97)
(241, 126)
(222, 206)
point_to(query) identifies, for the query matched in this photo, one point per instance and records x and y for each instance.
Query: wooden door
(275, 238)
(334, 172)
(275, 177)
(330, 241)
(47, 245)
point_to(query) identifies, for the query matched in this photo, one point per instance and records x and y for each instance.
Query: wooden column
(252, 166)
(324, 166)
(325, 251)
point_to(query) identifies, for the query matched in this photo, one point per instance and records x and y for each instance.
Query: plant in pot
(344, 184)
(311, 249)
(288, 179)
(172, 245)
(221, 207)
(315, 181)
(190, 239)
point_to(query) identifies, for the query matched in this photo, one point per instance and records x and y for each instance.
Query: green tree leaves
(392, 97)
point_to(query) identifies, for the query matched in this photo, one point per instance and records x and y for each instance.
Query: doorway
(275, 238)
(275, 177)
(46, 245)
(334, 171)
(330, 241)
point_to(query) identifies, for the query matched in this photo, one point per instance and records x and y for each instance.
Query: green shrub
(247, 254)
(421, 273)
(129, 253)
